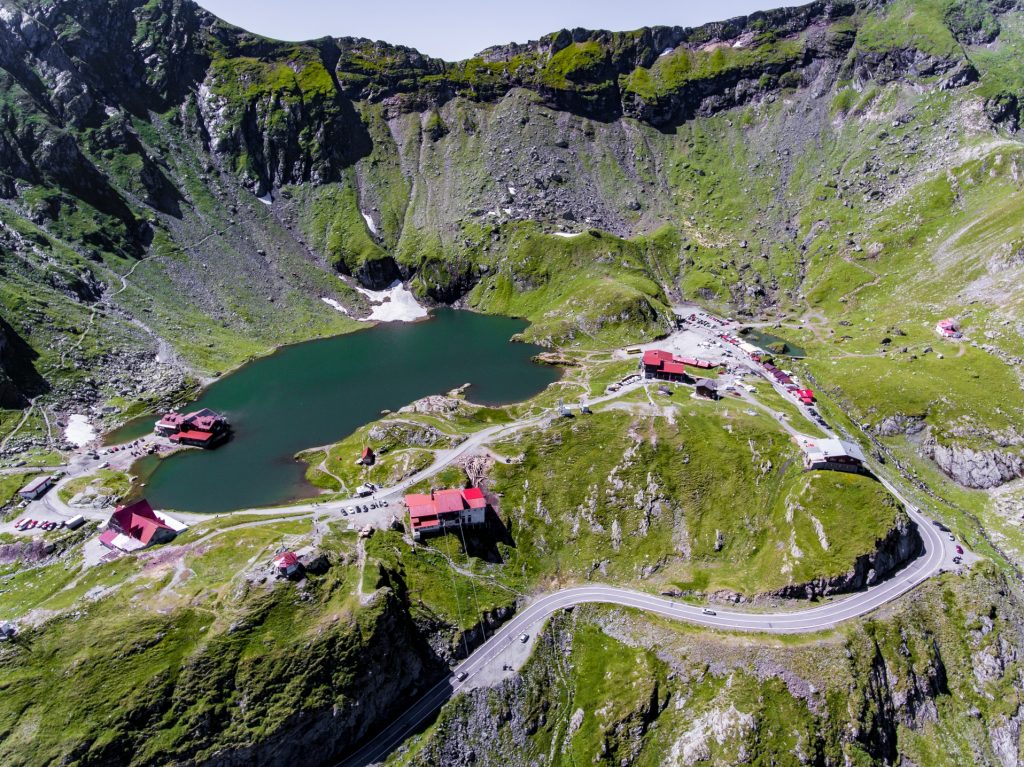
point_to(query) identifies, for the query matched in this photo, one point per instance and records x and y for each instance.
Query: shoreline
(144, 467)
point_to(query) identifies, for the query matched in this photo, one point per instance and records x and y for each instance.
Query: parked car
(461, 676)
(524, 638)
(708, 611)
(19, 522)
(952, 537)
(960, 550)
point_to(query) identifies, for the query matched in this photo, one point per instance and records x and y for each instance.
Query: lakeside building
(202, 428)
(137, 526)
(37, 488)
(442, 509)
(833, 454)
(367, 457)
(666, 366)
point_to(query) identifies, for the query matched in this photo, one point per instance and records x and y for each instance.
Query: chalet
(202, 428)
(806, 396)
(36, 488)
(442, 509)
(286, 564)
(665, 366)
(834, 454)
(706, 388)
(948, 328)
(367, 457)
(137, 526)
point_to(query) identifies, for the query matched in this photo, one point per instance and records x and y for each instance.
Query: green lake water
(318, 392)
(764, 340)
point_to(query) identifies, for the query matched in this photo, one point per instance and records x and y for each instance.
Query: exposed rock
(901, 544)
(977, 468)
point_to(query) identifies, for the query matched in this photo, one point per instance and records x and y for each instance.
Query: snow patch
(512, 191)
(266, 199)
(335, 304)
(79, 431)
(369, 223)
(567, 234)
(395, 304)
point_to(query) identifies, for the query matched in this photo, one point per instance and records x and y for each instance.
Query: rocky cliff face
(902, 544)
(981, 469)
(132, 129)
(879, 693)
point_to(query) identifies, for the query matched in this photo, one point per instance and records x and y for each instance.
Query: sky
(456, 29)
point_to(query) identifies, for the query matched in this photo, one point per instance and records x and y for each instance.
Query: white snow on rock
(79, 431)
(567, 234)
(335, 304)
(369, 223)
(266, 199)
(396, 304)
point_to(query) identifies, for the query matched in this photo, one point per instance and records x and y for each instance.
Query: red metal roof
(656, 356)
(285, 560)
(662, 359)
(367, 452)
(138, 521)
(198, 436)
(107, 537)
(424, 510)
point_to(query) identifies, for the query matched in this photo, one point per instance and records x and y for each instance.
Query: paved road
(932, 560)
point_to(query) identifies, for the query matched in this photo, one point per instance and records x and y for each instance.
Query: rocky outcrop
(900, 545)
(19, 379)
(974, 468)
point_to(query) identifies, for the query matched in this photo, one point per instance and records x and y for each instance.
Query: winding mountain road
(936, 554)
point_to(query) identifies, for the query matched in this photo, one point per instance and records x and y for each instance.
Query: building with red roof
(287, 563)
(442, 509)
(666, 366)
(948, 328)
(203, 428)
(367, 457)
(137, 526)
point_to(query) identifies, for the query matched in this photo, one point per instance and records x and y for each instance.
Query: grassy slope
(179, 637)
(643, 498)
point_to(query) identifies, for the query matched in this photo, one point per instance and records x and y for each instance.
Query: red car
(18, 523)
(960, 550)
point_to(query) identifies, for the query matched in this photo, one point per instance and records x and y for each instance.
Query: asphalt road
(935, 555)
